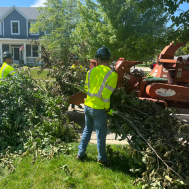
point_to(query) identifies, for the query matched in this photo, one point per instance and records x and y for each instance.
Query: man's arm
(86, 83)
(108, 89)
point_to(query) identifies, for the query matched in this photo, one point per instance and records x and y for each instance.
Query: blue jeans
(97, 117)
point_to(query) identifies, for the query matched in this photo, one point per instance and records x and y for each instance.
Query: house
(15, 23)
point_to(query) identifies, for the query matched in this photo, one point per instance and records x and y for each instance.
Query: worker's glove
(111, 112)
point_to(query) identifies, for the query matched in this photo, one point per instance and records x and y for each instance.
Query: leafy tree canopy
(93, 30)
(182, 50)
(119, 26)
(81, 27)
(58, 19)
(180, 22)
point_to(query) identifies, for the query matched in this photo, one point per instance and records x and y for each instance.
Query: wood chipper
(169, 85)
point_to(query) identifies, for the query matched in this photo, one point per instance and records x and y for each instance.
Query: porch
(23, 52)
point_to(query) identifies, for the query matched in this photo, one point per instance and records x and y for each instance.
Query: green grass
(143, 65)
(36, 75)
(87, 174)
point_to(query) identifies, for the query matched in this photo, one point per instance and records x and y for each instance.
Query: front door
(16, 53)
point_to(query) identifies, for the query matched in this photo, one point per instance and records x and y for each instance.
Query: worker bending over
(99, 85)
(6, 69)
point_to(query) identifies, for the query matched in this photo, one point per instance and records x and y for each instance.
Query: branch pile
(158, 141)
(32, 121)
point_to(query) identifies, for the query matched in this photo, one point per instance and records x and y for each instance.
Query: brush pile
(32, 121)
(158, 141)
(67, 74)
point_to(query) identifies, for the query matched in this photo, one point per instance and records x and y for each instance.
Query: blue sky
(29, 3)
(21, 3)
(37, 3)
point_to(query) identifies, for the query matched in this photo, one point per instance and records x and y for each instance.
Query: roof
(3, 10)
(30, 12)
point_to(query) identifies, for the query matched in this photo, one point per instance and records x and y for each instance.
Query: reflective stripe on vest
(110, 88)
(99, 94)
(3, 71)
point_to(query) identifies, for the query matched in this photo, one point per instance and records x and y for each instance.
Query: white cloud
(38, 3)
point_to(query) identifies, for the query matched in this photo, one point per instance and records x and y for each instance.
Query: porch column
(1, 53)
(24, 53)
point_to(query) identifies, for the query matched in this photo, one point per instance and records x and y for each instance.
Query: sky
(37, 3)
(21, 3)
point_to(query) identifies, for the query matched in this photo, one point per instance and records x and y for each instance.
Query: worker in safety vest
(99, 85)
(6, 69)
(77, 66)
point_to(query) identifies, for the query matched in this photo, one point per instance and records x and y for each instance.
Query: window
(15, 28)
(31, 23)
(48, 30)
(32, 51)
(35, 51)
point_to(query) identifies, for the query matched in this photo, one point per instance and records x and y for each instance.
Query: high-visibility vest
(6, 70)
(99, 85)
(80, 67)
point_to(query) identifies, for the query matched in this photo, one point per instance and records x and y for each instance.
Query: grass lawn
(143, 65)
(36, 75)
(65, 171)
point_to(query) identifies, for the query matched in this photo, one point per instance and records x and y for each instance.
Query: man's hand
(111, 112)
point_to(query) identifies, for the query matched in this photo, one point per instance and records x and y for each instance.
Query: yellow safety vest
(80, 67)
(6, 70)
(99, 85)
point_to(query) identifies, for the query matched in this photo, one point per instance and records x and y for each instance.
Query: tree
(118, 25)
(58, 19)
(93, 30)
(179, 28)
(86, 26)
(139, 34)
(182, 50)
